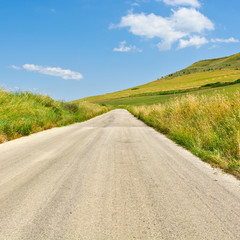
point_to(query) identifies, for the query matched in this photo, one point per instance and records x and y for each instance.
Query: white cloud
(192, 3)
(228, 40)
(51, 71)
(15, 67)
(54, 71)
(124, 48)
(182, 23)
(190, 20)
(195, 41)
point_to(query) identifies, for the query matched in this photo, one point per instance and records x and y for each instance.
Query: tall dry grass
(23, 113)
(208, 126)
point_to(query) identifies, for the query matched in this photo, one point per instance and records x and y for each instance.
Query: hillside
(230, 62)
(192, 78)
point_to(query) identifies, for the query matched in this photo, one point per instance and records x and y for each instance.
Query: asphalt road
(112, 177)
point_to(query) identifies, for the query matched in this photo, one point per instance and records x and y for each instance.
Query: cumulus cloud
(190, 20)
(228, 40)
(192, 3)
(51, 71)
(195, 41)
(185, 26)
(124, 48)
(182, 23)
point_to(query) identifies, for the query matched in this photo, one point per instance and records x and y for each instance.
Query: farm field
(195, 80)
(154, 99)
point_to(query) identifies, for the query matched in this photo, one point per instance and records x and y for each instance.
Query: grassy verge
(208, 126)
(23, 113)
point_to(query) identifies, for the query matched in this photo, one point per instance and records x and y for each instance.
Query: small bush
(23, 128)
(71, 107)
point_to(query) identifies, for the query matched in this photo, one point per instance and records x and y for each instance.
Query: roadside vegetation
(208, 126)
(23, 113)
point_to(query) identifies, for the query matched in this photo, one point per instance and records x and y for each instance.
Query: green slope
(204, 72)
(231, 62)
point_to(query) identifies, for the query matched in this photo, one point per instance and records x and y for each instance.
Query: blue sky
(71, 49)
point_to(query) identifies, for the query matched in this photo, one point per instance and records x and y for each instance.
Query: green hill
(201, 77)
(230, 62)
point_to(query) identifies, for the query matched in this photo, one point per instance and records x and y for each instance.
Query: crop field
(154, 99)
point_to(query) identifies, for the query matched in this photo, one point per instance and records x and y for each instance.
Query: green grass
(23, 113)
(208, 126)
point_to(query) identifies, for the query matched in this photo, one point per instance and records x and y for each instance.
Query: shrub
(71, 107)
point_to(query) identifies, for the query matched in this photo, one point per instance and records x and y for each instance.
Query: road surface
(112, 177)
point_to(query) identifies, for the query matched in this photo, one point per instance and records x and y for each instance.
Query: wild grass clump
(23, 113)
(208, 126)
